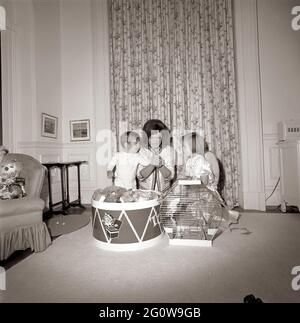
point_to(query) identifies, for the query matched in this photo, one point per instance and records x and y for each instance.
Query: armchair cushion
(21, 206)
(20, 212)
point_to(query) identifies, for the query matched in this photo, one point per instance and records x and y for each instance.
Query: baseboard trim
(254, 201)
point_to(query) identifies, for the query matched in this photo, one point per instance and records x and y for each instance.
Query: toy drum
(126, 226)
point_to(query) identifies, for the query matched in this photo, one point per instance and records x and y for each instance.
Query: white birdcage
(192, 214)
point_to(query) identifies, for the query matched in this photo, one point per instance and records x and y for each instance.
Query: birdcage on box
(192, 214)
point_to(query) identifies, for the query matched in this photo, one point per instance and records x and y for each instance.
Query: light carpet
(73, 269)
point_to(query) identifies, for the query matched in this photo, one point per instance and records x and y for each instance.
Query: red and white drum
(127, 226)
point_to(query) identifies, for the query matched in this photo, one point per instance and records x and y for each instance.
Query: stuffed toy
(138, 196)
(116, 194)
(10, 187)
(110, 194)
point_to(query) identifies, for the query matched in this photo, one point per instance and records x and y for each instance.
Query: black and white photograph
(80, 130)
(150, 155)
(49, 126)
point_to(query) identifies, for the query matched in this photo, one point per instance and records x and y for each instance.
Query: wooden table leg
(50, 191)
(63, 190)
(68, 186)
(79, 187)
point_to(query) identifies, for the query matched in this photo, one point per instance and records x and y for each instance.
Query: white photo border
(45, 133)
(88, 127)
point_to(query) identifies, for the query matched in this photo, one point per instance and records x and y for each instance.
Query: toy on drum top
(126, 219)
(192, 214)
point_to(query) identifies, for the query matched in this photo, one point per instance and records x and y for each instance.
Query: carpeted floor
(256, 257)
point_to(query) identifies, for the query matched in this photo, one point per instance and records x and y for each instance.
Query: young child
(214, 164)
(196, 165)
(126, 162)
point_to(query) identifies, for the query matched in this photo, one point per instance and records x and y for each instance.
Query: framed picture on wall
(49, 126)
(80, 130)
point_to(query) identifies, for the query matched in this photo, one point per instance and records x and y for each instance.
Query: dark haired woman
(159, 174)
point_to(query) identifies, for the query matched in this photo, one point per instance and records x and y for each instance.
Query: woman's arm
(146, 171)
(147, 165)
(166, 173)
(167, 163)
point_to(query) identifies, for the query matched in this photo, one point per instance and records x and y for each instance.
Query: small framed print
(80, 130)
(49, 126)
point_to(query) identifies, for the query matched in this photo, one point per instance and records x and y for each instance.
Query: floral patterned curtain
(173, 60)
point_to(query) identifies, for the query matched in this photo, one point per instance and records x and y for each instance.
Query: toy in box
(193, 214)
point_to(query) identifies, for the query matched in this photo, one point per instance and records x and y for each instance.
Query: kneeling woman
(159, 174)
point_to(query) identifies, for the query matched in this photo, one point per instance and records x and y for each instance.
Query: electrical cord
(273, 189)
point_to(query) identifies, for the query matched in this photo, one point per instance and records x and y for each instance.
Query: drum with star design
(125, 226)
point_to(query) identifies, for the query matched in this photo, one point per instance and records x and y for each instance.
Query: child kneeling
(126, 162)
(196, 167)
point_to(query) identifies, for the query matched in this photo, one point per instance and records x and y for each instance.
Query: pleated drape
(173, 60)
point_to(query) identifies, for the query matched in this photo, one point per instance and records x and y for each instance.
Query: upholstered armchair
(21, 220)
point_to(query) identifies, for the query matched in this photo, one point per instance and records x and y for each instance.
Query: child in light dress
(214, 164)
(196, 166)
(125, 162)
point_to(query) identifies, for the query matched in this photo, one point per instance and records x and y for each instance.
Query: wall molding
(56, 144)
(270, 136)
(79, 145)
(9, 93)
(101, 77)
(40, 144)
(272, 167)
(33, 70)
(249, 102)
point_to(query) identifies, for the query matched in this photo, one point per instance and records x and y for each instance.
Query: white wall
(31, 61)
(279, 53)
(23, 67)
(77, 63)
(45, 82)
(252, 195)
(85, 79)
(31, 78)
(2, 18)
(77, 88)
(268, 89)
(56, 60)
(7, 88)
(47, 59)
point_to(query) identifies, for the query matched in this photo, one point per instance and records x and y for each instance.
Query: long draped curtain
(173, 60)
